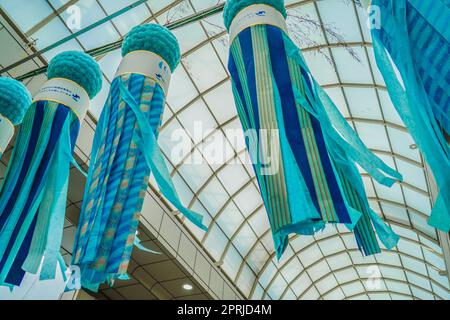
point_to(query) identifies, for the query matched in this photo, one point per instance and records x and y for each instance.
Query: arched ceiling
(337, 47)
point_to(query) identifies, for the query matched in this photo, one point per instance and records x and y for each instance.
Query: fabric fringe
(34, 192)
(260, 59)
(411, 50)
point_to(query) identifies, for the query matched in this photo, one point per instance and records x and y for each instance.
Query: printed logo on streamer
(66, 92)
(159, 77)
(257, 14)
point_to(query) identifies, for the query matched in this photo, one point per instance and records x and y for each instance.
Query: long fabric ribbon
(319, 104)
(115, 188)
(148, 145)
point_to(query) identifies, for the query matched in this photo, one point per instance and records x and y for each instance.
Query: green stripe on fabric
(326, 204)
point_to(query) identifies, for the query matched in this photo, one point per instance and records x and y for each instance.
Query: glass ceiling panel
(337, 48)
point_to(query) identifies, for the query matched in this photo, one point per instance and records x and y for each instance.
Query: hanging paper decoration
(411, 40)
(34, 193)
(14, 102)
(124, 153)
(288, 113)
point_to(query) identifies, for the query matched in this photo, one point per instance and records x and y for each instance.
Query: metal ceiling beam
(354, 85)
(19, 33)
(114, 45)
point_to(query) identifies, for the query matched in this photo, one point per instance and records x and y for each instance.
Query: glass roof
(337, 48)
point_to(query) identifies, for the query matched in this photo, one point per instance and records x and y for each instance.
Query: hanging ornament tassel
(14, 102)
(34, 193)
(411, 40)
(277, 96)
(124, 154)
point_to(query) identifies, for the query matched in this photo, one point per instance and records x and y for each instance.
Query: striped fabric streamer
(317, 181)
(415, 36)
(116, 186)
(34, 192)
(124, 153)
(118, 179)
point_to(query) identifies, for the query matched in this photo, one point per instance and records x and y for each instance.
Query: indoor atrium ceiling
(337, 48)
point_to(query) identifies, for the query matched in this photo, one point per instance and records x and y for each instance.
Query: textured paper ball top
(14, 100)
(233, 7)
(78, 67)
(154, 38)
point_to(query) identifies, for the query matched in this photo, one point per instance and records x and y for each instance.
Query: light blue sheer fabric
(396, 43)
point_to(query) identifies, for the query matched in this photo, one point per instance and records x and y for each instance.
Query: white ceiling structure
(337, 48)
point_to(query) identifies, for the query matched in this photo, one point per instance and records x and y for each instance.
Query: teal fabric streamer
(346, 142)
(33, 195)
(411, 48)
(338, 128)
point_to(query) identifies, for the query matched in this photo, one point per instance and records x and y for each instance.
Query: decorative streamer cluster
(415, 36)
(317, 181)
(124, 154)
(33, 195)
